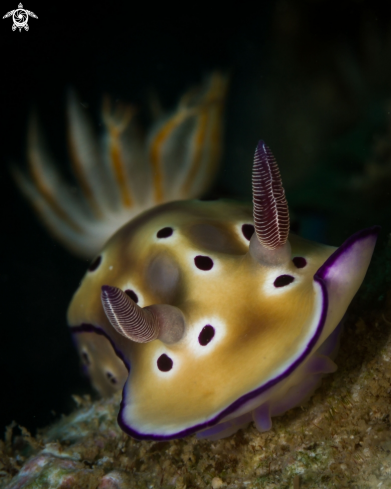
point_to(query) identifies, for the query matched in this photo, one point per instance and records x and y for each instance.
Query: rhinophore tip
(271, 214)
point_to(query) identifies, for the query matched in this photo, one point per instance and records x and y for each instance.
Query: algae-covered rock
(340, 438)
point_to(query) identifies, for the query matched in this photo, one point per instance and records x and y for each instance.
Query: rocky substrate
(340, 439)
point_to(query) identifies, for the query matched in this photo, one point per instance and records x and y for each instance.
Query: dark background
(304, 78)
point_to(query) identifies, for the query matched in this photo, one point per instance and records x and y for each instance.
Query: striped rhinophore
(125, 172)
(271, 213)
(127, 318)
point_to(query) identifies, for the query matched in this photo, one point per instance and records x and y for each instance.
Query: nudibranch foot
(228, 428)
(124, 173)
(255, 312)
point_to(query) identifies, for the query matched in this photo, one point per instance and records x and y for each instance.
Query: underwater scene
(196, 242)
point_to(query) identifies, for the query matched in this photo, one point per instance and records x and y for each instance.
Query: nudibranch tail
(271, 214)
(127, 318)
(124, 173)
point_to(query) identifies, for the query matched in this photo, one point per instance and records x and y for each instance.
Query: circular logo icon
(20, 18)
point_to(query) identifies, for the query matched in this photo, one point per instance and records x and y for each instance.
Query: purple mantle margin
(89, 328)
(318, 277)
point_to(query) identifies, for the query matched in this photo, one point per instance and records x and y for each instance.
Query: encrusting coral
(340, 438)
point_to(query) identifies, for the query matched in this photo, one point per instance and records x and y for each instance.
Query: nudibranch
(211, 314)
(127, 172)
